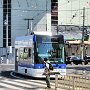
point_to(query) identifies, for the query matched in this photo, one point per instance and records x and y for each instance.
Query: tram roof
(43, 33)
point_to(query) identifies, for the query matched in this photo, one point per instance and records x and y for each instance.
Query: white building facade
(70, 12)
(45, 14)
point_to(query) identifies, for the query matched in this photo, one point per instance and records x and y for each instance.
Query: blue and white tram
(31, 50)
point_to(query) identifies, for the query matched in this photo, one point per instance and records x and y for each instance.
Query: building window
(54, 12)
(6, 10)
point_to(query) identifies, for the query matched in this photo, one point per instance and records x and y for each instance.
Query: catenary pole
(7, 32)
(28, 28)
(83, 46)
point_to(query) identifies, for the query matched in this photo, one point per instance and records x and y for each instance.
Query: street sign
(9, 49)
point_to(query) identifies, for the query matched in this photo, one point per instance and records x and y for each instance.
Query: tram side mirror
(32, 33)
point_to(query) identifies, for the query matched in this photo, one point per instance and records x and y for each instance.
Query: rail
(72, 82)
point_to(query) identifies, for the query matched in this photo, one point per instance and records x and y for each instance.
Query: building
(19, 17)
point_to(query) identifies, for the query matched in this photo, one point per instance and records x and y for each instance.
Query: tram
(31, 50)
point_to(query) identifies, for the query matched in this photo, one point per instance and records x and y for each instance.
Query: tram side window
(25, 53)
(21, 53)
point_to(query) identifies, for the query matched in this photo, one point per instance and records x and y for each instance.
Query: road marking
(24, 84)
(10, 86)
(16, 83)
(35, 82)
(15, 76)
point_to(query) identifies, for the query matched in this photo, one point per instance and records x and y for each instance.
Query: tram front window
(51, 51)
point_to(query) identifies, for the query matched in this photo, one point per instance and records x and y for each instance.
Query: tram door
(16, 60)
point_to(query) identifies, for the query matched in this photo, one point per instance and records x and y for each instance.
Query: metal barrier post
(56, 81)
(73, 83)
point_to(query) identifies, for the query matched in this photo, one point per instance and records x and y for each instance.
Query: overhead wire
(44, 11)
(1, 4)
(27, 3)
(18, 3)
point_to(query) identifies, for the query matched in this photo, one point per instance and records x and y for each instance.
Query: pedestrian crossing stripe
(24, 84)
(10, 86)
(17, 84)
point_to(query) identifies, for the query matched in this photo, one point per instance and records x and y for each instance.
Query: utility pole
(83, 46)
(7, 33)
(28, 28)
(57, 29)
(46, 15)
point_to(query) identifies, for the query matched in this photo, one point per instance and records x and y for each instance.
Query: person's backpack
(50, 66)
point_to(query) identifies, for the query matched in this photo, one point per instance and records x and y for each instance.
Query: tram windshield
(51, 48)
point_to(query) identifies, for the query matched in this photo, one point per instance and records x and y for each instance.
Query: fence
(74, 82)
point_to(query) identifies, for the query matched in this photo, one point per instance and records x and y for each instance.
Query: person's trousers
(48, 80)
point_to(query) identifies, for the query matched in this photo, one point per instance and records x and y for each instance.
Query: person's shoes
(47, 87)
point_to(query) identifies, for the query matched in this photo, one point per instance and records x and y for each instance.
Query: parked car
(88, 58)
(75, 60)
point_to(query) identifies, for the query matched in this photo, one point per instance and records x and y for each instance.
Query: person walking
(47, 73)
(85, 58)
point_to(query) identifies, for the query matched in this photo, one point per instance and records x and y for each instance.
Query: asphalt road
(71, 69)
(8, 82)
(79, 69)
